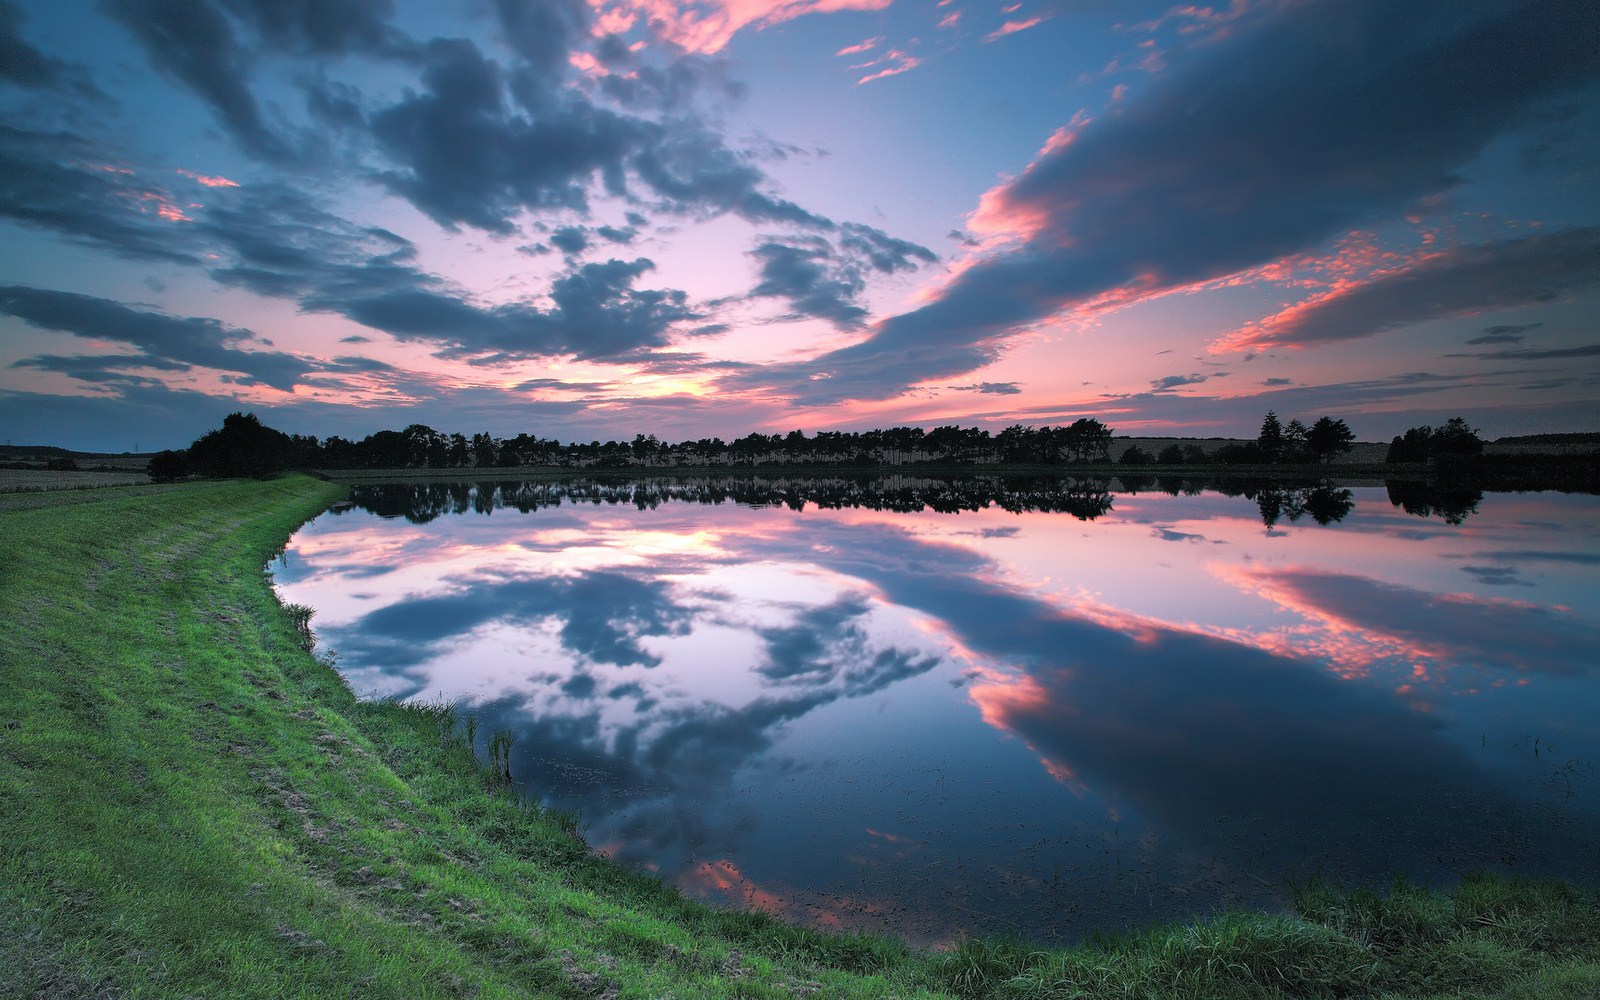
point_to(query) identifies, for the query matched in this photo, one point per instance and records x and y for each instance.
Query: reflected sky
(979, 719)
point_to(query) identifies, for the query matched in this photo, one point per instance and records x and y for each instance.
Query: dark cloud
(1535, 555)
(673, 88)
(811, 650)
(570, 239)
(556, 385)
(824, 279)
(1174, 381)
(579, 686)
(542, 33)
(466, 158)
(320, 27)
(804, 271)
(1326, 117)
(20, 62)
(65, 183)
(1465, 281)
(169, 342)
(1503, 334)
(99, 367)
(281, 245)
(194, 43)
(991, 388)
(1532, 354)
(1274, 382)
(1496, 576)
(199, 43)
(882, 252)
(603, 616)
(694, 173)
(610, 612)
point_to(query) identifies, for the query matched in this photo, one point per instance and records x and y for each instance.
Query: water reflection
(1084, 498)
(1450, 502)
(946, 707)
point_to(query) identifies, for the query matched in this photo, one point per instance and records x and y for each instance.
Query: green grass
(192, 805)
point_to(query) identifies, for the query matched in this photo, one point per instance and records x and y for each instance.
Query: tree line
(244, 446)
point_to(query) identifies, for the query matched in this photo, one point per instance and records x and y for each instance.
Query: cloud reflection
(1459, 629)
(685, 695)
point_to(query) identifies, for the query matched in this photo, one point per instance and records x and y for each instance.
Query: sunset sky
(591, 219)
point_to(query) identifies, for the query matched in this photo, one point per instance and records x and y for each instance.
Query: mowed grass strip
(192, 805)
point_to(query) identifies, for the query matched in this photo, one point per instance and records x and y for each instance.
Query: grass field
(192, 805)
(16, 480)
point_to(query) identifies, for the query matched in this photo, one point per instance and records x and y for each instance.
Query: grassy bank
(191, 805)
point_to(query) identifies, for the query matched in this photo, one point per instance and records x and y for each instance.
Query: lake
(1045, 707)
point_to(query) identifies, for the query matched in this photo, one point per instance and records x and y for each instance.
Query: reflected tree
(1325, 503)
(1451, 502)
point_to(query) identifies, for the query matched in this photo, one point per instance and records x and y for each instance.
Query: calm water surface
(1125, 710)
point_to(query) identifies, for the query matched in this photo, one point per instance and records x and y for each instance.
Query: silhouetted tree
(1422, 444)
(168, 466)
(1456, 438)
(1088, 440)
(1270, 439)
(1329, 437)
(1295, 442)
(483, 450)
(242, 447)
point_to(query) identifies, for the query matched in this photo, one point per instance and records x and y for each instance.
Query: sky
(588, 219)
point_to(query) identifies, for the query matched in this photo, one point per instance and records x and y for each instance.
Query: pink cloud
(210, 182)
(860, 47)
(709, 25)
(898, 62)
(1012, 27)
(1464, 281)
(1356, 621)
(950, 20)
